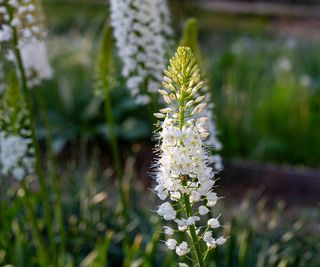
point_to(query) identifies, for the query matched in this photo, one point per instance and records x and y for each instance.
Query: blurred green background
(264, 78)
(264, 73)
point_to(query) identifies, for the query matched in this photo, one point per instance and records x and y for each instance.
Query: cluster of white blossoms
(24, 19)
(15, 158)
(142, 32)
(184, 172)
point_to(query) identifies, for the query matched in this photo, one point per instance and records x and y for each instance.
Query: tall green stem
(104, 76)
(39, 170)
(186, 200)
(39, 242)
(117, 161)
(52, 169)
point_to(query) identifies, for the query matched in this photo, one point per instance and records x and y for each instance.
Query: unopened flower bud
(189, 103)
(159, 115)
(166, 110)
(173, 96)
(163, 92)
(199, 99)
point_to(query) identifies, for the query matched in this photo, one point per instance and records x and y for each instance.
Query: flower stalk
(39, 242)
(104, 79)
(53, 171)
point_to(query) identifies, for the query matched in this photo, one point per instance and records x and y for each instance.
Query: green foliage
(260, 233)
(264, 236)
(265, 101)
(263, 113)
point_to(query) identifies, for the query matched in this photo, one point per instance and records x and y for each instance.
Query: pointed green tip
(190, 38)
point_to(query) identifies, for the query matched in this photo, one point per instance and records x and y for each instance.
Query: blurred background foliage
(266, 85)
(266, 88)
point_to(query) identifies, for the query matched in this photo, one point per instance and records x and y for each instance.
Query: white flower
(212, 199)
(36, 63)
(27, 20)
(141, 29)
(181, 264)
(210, 242)
(171, 244)
(167, 211)
(182, 224)
(221, 240)
(15, 157)
(162, 194)
(168, 230)
(182, 249)
(195, 196)
(175, 195)
(213, 223)
(5, 33)
(305, 80)
(203, 210)
(192, 220)
(183, 170)
(284, 64)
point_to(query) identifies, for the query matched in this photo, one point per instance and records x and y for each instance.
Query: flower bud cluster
(141, 29)
(25, 18)
(184, 173)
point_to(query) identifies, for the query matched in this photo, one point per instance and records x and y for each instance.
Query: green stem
(193, 234)
(118, 164)
(39, 170)
(39, 243)
(186, 199)
(53, 169)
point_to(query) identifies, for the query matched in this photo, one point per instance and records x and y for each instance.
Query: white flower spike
(184, 173)
(142, 32)
(25, 18)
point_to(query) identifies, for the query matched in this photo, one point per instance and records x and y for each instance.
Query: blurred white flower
(221, 240)
(168, 230)
(27, 19)
(5, 33)
(142, 31)
(305, 81)
(284, 64)
(35, 59)
(15, 157)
